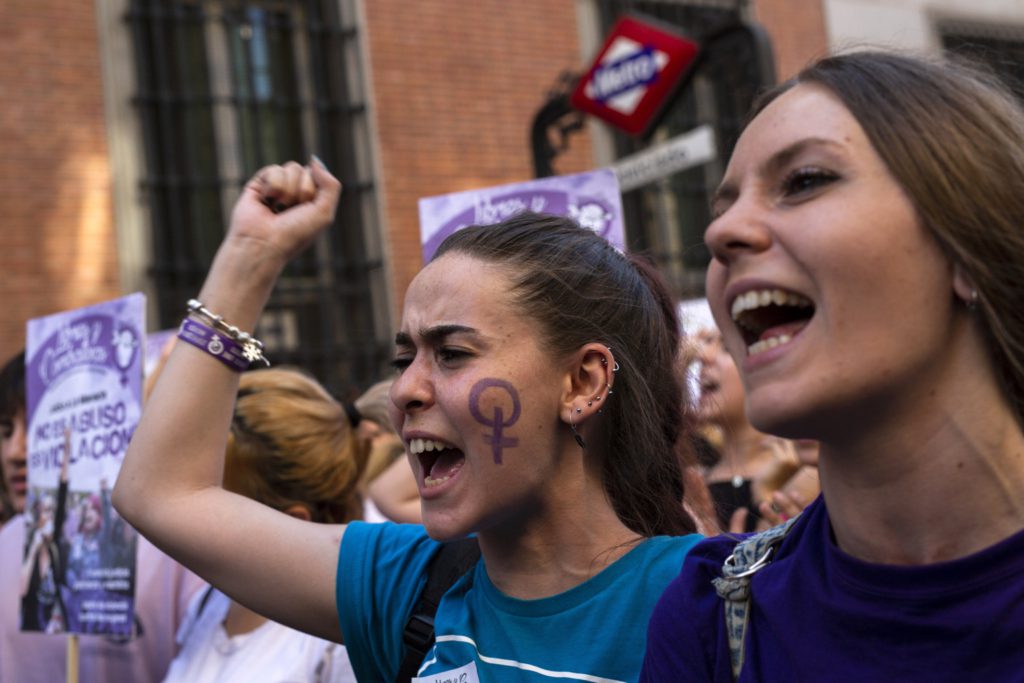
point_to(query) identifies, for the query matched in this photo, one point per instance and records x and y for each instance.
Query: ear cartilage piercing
(579, 410)
(590, 403)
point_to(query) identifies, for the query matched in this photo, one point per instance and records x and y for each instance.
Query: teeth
(417, 446)
(431, 481)
(766, 297)
(765, 344)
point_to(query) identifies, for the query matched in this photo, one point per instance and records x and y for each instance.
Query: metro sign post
(634, 74)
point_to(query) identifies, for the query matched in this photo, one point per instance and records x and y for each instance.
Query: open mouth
(19, 483)
(769, 317)
(439, 461)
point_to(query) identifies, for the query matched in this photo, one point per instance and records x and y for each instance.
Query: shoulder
(663, 553)
(373, 546)
(382, 569)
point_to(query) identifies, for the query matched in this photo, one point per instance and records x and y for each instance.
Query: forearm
(170, 482)
(178, 446)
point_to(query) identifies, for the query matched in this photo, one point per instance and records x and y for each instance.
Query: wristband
(221, 347)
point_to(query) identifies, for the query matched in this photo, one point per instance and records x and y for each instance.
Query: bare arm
(395, 494)
(170, 483)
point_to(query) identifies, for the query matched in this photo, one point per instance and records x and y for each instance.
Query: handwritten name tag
(464, 674)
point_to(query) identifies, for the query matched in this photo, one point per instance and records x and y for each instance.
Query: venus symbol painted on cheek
(497, 423)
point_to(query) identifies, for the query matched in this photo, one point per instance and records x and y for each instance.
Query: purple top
(819, 614)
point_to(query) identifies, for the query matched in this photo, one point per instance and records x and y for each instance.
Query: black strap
(452, 561)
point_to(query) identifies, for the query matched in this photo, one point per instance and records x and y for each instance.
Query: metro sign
(634, 74)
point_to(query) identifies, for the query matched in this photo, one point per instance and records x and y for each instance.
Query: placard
(83, 402)
(592, 199)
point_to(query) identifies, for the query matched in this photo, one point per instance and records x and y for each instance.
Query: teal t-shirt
(593, 632)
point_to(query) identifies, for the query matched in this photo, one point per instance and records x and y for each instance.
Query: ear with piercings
(588, 386)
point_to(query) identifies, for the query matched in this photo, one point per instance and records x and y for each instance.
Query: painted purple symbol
(496, 439)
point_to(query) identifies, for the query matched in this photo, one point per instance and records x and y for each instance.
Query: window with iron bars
(998, 46)
(225, 87)
(667, 219)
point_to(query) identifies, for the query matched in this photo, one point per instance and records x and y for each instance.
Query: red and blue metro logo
(633, 74)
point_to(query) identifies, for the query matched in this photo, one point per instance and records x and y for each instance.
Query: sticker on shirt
(464, 674)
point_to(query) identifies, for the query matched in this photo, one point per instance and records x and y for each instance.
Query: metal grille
(667, 219)
(224, 88)
(999, 46)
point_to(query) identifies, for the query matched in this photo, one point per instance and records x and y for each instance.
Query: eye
(806, 179)
(400, 363)
(6, 428)
(450, 356)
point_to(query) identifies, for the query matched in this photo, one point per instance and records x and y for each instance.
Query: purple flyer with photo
(592, 199)
(83, 402)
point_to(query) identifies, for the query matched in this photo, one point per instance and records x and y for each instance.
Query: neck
(742, 452)
(570, 535)
(241, 620)
(935, 483)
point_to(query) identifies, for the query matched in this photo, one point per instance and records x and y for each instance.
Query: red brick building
(129, 125)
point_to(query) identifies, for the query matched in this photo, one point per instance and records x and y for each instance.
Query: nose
(742, 229)
(15, 445)
(413, 389)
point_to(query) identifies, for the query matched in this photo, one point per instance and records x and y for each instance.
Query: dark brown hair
(580, 289)
(952, 135)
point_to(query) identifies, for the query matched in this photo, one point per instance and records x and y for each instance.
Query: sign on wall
(634, 74)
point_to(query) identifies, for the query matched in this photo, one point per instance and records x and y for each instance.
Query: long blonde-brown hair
(291, 444)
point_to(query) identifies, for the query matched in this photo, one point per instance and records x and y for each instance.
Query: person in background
(540, 401)
(13, 465)
(163, 587)
(880, 195)
(751, 465)
(388, 484)
(290, 448)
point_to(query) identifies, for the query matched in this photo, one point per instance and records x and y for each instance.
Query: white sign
(678, 154)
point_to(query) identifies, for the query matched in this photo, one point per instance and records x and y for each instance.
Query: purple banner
(84, 399)
(592, 199)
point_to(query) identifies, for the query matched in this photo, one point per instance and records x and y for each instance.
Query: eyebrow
(433, 335)
(775, 162)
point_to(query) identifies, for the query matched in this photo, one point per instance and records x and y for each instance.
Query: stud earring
(972, 303)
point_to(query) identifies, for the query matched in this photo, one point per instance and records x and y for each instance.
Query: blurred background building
(130, 126)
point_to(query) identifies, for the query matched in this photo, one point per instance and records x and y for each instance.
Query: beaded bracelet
(252, 348)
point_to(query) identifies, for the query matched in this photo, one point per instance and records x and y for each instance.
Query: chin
(443, 527)
(777, 419)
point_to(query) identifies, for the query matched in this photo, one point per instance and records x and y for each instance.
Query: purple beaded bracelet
(220, 346)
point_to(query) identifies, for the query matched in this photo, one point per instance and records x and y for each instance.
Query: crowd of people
(840, 501)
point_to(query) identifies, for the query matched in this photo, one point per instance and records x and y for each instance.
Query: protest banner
(592, 199)
(83, 402)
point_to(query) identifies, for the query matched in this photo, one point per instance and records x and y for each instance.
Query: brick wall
(57, 241)
(797, 30)
(456, 87)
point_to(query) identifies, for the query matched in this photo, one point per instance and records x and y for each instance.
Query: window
(1001, 47)
(223, 88)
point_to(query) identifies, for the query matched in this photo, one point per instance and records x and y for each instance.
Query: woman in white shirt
(291, 448)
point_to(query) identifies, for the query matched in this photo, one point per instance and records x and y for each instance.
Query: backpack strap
(750, 556)
(452, 561)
